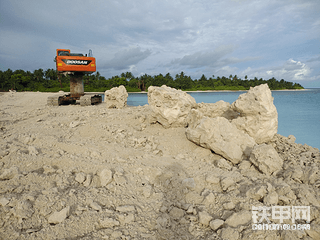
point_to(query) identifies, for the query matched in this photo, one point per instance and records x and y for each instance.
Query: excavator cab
(61, 52)
(74, 62)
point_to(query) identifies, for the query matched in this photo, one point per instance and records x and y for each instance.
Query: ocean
(298, 111)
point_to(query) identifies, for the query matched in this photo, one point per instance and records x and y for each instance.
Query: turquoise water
(298, 111)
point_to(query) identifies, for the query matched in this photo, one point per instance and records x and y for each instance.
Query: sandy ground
(73, 172)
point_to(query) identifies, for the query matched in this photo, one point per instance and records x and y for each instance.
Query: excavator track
(85, 100)
(88, 100)
(54, 100)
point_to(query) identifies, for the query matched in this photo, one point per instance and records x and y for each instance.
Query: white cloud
(299, 70)
(290, 70)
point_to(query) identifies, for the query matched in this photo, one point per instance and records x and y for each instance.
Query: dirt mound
(73, 172)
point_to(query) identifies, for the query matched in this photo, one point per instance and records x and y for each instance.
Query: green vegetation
(49, 81)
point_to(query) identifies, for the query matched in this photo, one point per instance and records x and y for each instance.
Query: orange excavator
(76, 65)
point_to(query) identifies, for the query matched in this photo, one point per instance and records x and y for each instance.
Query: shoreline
(200, 91)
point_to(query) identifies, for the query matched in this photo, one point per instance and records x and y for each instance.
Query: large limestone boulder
(211, 110)
(258, 114)
(116, 97)
(218, 109)
(170, 106)
(221, 136)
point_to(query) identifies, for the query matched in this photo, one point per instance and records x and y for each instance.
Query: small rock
(74, 124)
(229, 233)
(245, 165)
(9, 173)
(194, 198)
(95, 206)
(59, 217)
(291, 139)
(116, 235)
(27, 139)
(189, 183)
(227, 182)
(105, 177)
(88, 180)
(204, 218)
(314, 231)
(108, 222)
(210, 198)
(126, 208)
(80, 177)
(222, 163)
(210, 178)
(271, 199)
(229, 206)
(239, 218)
(257, 192)
(48, 169)
(23, 210)
(216, 224)
(4, 201)
(33, 151)
(129, 218)
(95, 154)
(176, 213)
(147, 191)
(125, 219)
(190, 209)
(119, 171)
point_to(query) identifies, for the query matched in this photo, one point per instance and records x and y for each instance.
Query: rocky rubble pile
(74, 172)
(232, 131)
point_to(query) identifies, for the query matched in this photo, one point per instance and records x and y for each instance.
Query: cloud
(127, 57)
(212, 59)
(296, 70)
(197, 37)
(314, 59)
(200, 59)
(290, 70)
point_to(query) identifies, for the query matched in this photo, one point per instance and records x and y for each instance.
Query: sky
(257, 38)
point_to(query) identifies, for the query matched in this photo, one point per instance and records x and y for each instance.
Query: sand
(73, 172)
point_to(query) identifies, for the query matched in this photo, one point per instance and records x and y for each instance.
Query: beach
(73, 172)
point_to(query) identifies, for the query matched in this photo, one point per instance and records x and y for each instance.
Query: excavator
(76, 65)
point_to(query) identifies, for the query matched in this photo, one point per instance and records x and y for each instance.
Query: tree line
(49, 81)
